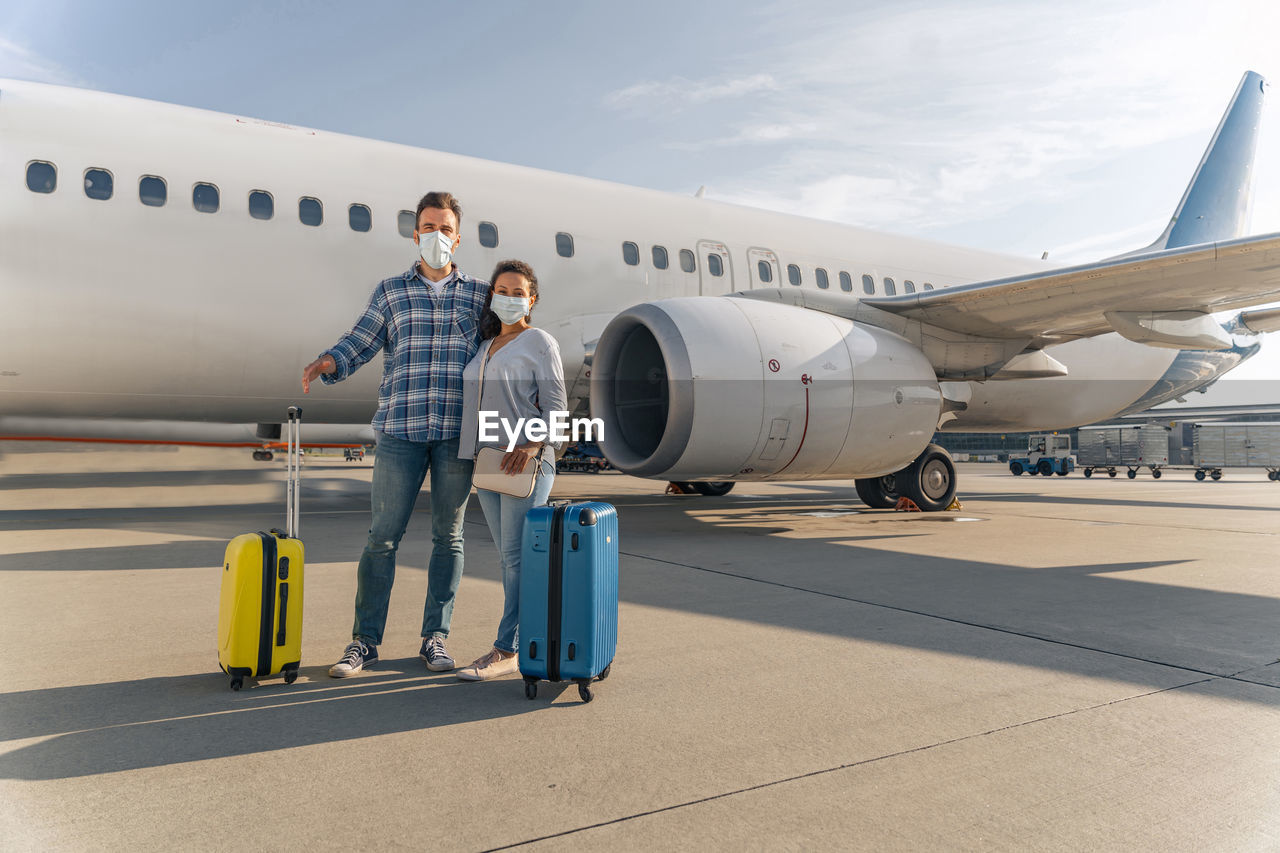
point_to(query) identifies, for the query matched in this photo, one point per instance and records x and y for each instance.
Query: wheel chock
(955, 506)
(906, 505)
(676, 489)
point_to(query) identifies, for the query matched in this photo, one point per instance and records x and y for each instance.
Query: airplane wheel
(714, 489)
(1199, 474)
(930, 481)
(878, 492)
(1088, 472)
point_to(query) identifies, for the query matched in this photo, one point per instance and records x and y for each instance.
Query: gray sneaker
(357, 656)
(433, 653)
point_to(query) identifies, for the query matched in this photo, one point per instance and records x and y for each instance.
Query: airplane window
(152, 191)
(564, 245)
(310, 211)
(261, 205)
(868, 285)
(660, 257)
(359, 217)
(98, 184)
(686, 261)
(909, 285)
(766, 272)
(846, 281)
(714, 265)
(406, 221)
(928, 286)
(630, 254)
(890, 289)
(821, 275)
(204, 198)
(42, 177)
(488, 235)
(793, 274)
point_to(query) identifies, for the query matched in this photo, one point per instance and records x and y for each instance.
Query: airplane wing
(1172, 287)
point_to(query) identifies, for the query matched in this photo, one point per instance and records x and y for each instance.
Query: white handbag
(488, 473)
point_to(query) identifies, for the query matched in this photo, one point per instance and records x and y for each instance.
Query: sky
(1020, 127)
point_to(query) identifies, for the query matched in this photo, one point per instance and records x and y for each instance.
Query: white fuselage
(113, 308)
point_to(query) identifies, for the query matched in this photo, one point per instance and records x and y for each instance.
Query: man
(427, 321)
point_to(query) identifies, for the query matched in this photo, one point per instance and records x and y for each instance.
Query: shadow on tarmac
(152, 722)
(1081, 619)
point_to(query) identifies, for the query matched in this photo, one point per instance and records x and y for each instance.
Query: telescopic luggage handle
(293, 438)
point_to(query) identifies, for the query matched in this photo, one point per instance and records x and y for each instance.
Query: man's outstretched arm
(366, 338)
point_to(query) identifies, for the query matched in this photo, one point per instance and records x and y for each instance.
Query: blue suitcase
(568, 595)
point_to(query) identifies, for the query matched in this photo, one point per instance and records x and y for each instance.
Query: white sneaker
(492, 665)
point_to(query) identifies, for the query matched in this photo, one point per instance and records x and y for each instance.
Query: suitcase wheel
(584, 690)
(237, 682)
(604, 673)
(531, 690)
(290, 676)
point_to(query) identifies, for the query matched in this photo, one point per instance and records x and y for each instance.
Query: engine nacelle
(723, 388)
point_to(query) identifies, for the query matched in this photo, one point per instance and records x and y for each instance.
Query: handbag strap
(484, 361)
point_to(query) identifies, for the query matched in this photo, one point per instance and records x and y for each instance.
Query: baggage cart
(1218, 445)
(1131, 446)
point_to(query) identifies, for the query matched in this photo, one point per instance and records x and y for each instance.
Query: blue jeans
(505, 515)
(399, 469)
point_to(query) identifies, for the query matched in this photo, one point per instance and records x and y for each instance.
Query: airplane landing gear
(929, 481)
(263, 456)
(878, 492)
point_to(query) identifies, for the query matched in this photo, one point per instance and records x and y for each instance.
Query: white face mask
(436, 249)
(510, 309)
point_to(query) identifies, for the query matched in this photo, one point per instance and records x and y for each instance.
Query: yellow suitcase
(260, 610)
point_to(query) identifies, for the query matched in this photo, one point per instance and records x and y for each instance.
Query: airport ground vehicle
(1236, 445)
(1131, 446)
(1046, 455)
(584, 458)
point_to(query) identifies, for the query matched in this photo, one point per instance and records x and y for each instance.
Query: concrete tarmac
(1065, 664)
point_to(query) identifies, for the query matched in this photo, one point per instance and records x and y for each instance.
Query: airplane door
(764, 270)
(715, 270)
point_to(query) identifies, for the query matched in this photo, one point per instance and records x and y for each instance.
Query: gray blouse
(524, 379)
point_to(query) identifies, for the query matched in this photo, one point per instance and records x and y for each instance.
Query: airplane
(176, 264)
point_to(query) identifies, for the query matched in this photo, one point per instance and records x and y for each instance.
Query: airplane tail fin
(1216, 204)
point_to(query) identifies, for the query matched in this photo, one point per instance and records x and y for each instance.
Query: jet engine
(724, 388)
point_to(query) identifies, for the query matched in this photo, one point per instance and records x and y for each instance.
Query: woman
(523, 378)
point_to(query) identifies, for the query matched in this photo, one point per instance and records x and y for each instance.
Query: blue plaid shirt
(427, 340)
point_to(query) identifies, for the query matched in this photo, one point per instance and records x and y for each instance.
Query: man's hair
(442, 201)
(490, 325)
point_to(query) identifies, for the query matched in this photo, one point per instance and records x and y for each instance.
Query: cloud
(19, 61)
(679, 90)
(924, 116)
